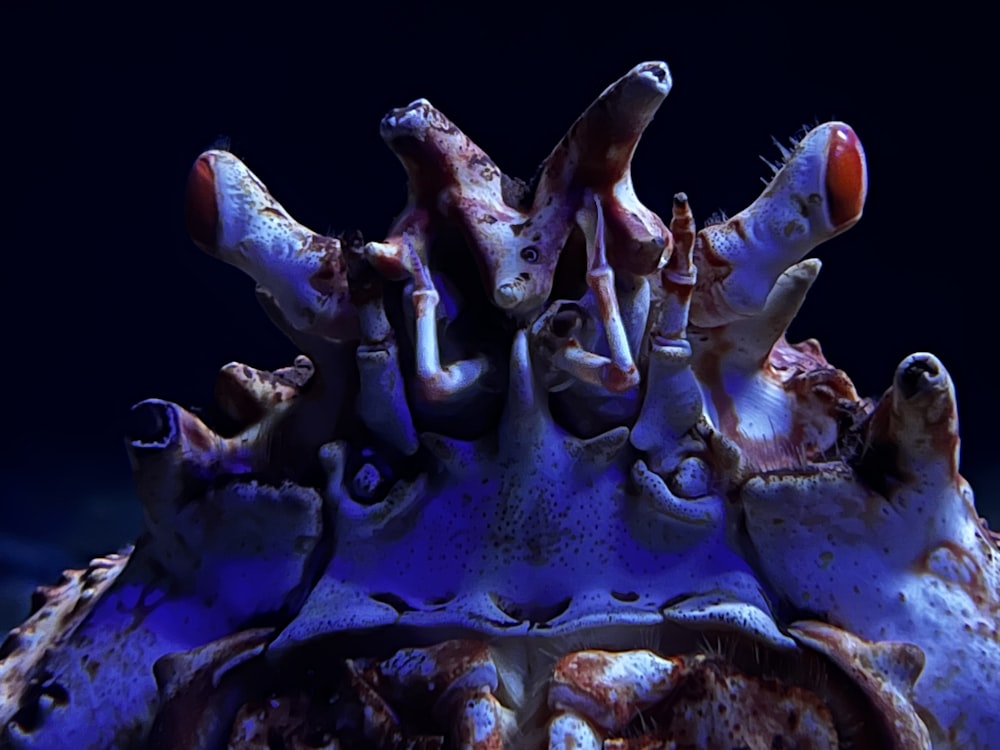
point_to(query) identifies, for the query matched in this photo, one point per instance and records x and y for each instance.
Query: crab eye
(529, 254)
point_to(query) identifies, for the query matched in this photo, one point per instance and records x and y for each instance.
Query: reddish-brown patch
(201, 210)
(845, 177)
(975, 586)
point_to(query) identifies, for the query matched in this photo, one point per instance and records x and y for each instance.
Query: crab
(547, 474)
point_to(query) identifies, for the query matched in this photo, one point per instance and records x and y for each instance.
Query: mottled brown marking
(976, 587)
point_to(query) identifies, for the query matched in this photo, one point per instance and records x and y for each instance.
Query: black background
(106, 302)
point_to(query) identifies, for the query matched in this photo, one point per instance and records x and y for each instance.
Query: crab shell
(734, 549)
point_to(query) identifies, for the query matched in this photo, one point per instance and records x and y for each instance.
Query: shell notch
(541, 448)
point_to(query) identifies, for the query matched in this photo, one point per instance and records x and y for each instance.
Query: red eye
(845, 176)
(201, 211)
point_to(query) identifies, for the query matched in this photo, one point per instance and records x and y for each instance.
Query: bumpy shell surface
(548, 474)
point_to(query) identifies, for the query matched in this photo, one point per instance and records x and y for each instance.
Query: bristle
(775, 168)
(782, 149)
(222, 143)
(716, 217)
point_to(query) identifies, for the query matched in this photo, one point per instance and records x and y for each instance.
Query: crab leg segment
(673, 402)
(610, 689)
(381, 400)
(617, 373)
(817, 194)
(564, 324)
(561, 336)
(232, 216)
(583, 365)
(458, 679)
(598, 692)
(622, 373)
(570, 731)
(402, 255)
(437, 382)
(677, 278)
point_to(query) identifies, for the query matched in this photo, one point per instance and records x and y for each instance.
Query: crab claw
(231, 216)
(818, 193)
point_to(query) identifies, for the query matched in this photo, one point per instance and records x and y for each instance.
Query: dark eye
(530, 254)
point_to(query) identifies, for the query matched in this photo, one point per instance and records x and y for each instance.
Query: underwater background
(106, 301)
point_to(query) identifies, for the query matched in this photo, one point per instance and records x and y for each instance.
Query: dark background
(106, 302)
